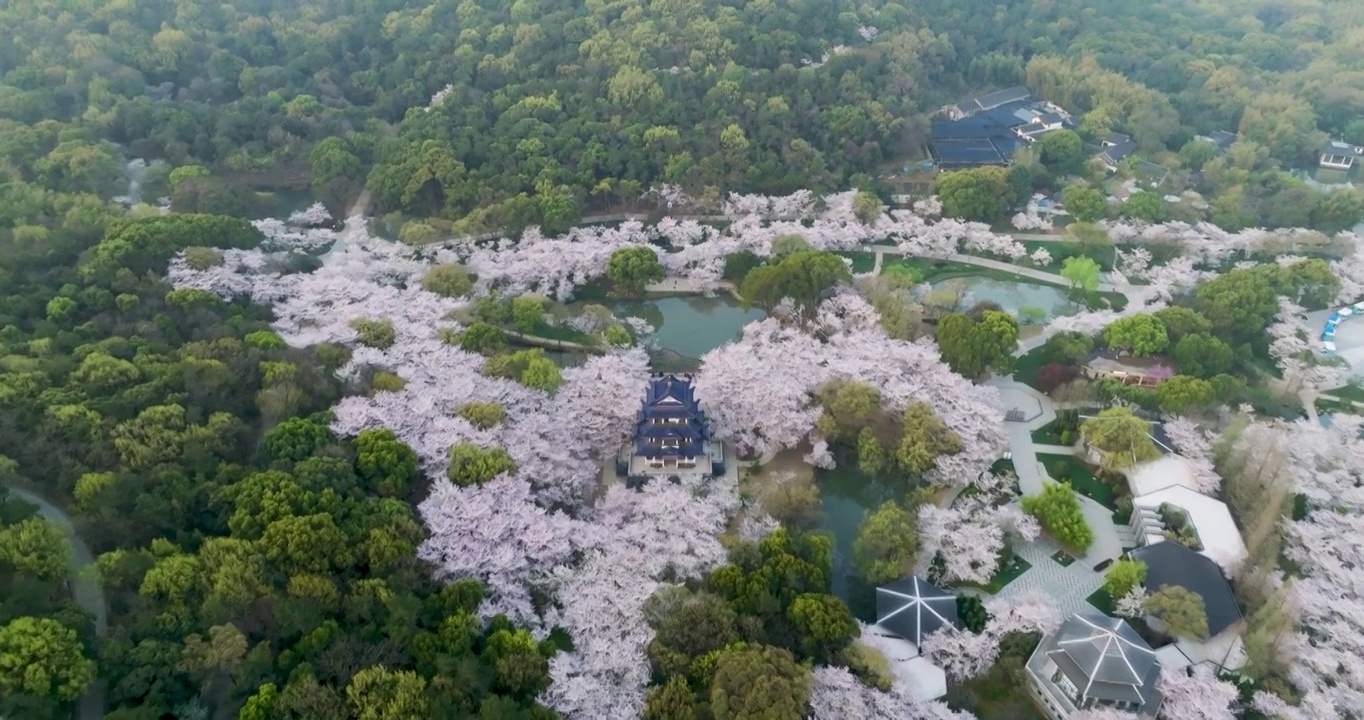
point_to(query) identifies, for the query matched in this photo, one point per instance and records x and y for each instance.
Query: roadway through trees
(86, 589)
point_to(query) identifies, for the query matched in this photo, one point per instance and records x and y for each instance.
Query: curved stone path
(85, 589)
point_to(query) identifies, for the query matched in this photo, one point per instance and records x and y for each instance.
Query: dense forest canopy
(540, 109)
(257, 564)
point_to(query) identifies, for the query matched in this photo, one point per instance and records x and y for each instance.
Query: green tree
(926, 438)
(447, 280)
(886, 544)
(1057, 509)
(482, 415)
(1141, 334)
(739, 264)
(1084, 203)
(1203, 356)
(483, 339)
(674, 700)
(632, 268)
(849, 407)
(1122, 439)
(1181, 392)
(687, 625)
(1082, 272)
(386, 464)
(374, 333)
(541, 374)
(972, 346)
(473, 465)
(787, 244)
(1145, 205)
(378, 693)
(824, 623)
(36, 547)
(42, 657)
(1060, 148)
(1124, 575)
(1068, 348)
(1239, 303)
(981, 194)
(527, 312)
(866, 206)
(1196, 153)
(803, 276)
(296, 439)
(759, 683)
(519, 668)
(871, 454)
(1180, 322)
(1182, 611)
(972, 613)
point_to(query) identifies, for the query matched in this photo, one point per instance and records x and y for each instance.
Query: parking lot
(1349, 336)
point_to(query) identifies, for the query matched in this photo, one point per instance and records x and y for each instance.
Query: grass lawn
(1062, 557)
(1102, 600)
(1027, 365)
(1348, 392)
(1062, 250)
(862, 262)
(1009, 571)
(1050, 434)
(1080, 478)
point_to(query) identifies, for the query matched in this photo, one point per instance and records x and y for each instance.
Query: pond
(846, 495)
(689, 326)
(1042, 302)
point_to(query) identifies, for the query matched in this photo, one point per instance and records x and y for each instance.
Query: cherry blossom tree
(496, 534)
(1132, 604)
(1101, 712)
(1326, 543)
(961, 654)
(1193, 444)
(1197, 694)
(836, 694)
(665, 530)
(964, 655)
(759, 389)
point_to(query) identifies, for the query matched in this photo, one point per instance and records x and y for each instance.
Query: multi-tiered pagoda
(671, 435)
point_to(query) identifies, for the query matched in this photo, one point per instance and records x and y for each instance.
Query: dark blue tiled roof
(671, 415)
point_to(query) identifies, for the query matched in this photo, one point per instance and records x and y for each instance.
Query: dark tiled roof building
(1169, 563)
(913, 608)
(1094, 660)
(671, 435)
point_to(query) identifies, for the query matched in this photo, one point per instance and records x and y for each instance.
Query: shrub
(1050, 377)
(473, 465)
(483, 339)
(374, 333)
(1057, 508)
(1124, 575)
(482, 415)
(972, 613)
(447, 280)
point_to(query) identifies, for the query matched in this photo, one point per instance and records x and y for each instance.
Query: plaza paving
(1068, 585)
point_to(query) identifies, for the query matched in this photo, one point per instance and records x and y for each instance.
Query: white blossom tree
(1197, 694)
(836, 695)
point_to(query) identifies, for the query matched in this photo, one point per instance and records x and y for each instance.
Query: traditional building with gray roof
(1092, 661)
(913, 608)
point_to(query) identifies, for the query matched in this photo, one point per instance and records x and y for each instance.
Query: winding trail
(85, 589)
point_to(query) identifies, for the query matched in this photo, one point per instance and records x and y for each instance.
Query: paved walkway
(1071, 585)
(1033, 273)
(85, 589)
